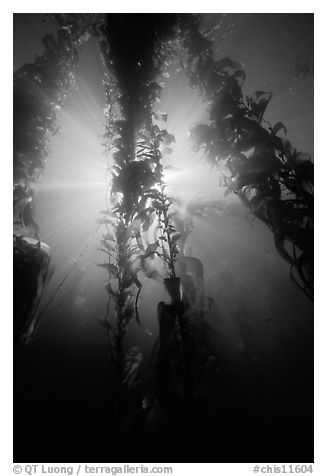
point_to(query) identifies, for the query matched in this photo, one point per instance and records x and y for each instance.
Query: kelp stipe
(137, 201)
(133, 143)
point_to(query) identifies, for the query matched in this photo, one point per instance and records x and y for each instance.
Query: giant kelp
(136, 196)
(41, 88)
(272, 178)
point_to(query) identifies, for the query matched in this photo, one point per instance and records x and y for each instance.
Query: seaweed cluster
(41, 89)
(259, 164)
(136, 198)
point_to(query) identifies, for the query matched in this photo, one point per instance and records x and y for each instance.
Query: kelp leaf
(278, 127)
(169, 139)
(159, 205)
(148, 222)
(110, 291)
(151, 249)
(152, 193)
(284, 145)
(144, 214)
(258, 94)
(143, 219)
(259, 102)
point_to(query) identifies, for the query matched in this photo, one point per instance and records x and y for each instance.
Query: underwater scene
(163, 237)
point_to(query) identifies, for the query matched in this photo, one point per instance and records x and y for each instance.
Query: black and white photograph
(163, 239)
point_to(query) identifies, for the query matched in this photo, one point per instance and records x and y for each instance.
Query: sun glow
(76, 183)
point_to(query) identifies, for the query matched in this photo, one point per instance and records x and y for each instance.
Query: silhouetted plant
(40, 90)
(272, 179)
(136, 187)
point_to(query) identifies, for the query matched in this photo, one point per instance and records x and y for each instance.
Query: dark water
(259, 329)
